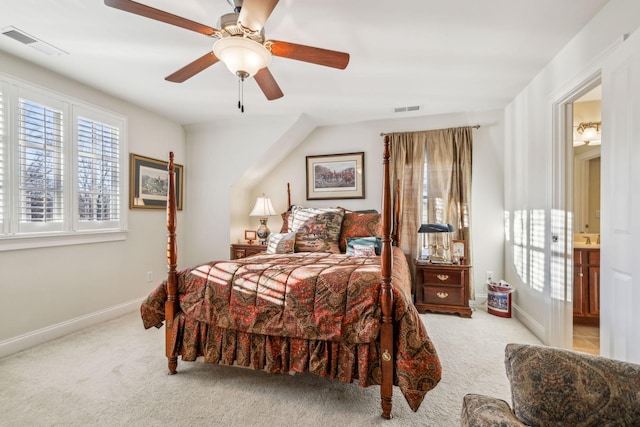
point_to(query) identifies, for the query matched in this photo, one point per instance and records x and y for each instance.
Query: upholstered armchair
(556, 387)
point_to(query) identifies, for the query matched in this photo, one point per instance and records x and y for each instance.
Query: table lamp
(264, 209)
(435, 244)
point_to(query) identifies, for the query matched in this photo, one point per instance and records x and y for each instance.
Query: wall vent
(407, 109)
(24, 38)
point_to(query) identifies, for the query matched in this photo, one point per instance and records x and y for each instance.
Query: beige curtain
(407, 166)
(449, 183)
(448, 153)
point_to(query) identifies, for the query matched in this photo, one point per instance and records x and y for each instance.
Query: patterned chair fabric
(557, 387)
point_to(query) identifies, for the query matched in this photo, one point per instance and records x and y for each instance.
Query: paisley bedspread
(305, 311)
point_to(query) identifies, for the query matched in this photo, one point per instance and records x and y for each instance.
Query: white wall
(529, 148)
(52, 291)
(223, 156)
(487, 197)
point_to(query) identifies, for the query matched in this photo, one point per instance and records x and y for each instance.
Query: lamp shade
(241, 55)
(435, 228)
(263, 207)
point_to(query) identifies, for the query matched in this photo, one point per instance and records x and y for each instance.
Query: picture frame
(335, 176)
(250, 236)
(459, 250)
(149, 183)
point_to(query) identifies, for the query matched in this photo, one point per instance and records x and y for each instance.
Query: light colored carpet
(115, 375)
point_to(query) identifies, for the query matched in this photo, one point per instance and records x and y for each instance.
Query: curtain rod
(473, 127)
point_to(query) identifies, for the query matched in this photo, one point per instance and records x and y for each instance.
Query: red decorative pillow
(359, 225)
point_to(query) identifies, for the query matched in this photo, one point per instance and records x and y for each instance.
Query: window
(60, 170)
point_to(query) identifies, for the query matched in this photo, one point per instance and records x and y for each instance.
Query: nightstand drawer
(450, 295)
(446, 277)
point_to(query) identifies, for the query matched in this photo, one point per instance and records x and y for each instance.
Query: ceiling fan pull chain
(241, 93)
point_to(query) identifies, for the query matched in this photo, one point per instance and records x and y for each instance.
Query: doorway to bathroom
(586, 113)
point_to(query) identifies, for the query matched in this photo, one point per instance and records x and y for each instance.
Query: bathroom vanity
(586, 282)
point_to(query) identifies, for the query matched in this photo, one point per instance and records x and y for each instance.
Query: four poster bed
(348, 316)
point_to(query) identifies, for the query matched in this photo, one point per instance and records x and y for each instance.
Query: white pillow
(364, 250)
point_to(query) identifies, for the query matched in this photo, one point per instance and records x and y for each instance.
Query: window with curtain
(60, 170)
(434, 171)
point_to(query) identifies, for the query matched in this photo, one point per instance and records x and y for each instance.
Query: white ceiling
(446, 56)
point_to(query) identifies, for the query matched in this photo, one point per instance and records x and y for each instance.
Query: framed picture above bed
(149, 183)
(335, 176)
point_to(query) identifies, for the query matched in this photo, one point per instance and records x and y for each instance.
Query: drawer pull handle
(443, 277)
(442, 295)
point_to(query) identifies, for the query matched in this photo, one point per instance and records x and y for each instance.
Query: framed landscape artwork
(149, 183)
(335, 176)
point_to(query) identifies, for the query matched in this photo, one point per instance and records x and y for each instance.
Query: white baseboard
(31, 339)
(533, 325)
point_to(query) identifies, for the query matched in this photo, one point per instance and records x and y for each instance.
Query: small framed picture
(459, 251)
(149, 183)
(250, 236)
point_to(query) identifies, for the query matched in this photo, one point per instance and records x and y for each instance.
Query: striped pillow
(281, 243)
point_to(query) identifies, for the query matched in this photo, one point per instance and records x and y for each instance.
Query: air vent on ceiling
(407, 109)
(24, 38)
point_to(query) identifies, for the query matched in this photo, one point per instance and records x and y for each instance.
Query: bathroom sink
(586, 241)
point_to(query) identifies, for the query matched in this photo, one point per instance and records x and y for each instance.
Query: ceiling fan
(241, 44)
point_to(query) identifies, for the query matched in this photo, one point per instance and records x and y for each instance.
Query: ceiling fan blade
(268, 84)
(314, 55)
(190, 70)
(159, 15)
(254, 13)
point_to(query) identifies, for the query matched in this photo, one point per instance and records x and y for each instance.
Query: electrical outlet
(149, 276)
(489, 276)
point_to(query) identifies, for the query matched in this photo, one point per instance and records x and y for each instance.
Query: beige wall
(49, 292)
(594, 195)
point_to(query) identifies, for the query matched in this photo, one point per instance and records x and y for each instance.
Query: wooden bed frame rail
(386, 348)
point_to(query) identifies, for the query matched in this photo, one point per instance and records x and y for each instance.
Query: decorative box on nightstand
(443, 288)
(241, 250)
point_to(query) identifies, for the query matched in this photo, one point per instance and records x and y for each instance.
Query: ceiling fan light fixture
(242, 56)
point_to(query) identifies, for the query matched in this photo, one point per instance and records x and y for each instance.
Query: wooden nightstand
(443, 288)
(241, 250)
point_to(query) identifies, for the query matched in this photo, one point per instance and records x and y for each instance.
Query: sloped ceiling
(444, 56)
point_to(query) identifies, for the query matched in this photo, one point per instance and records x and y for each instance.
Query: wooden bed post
(171, 304)
(387, 353)
(395, 230)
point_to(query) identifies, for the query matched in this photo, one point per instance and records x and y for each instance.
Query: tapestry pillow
(357, 224)
(317, 229)
(281, 243)
(374, 242)
(364, 250)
